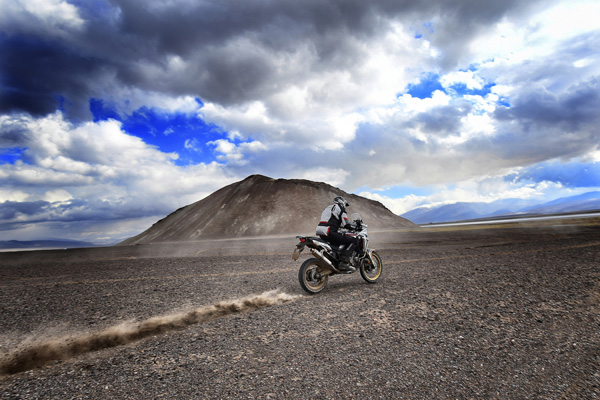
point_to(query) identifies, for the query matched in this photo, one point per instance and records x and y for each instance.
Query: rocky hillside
(261, 206)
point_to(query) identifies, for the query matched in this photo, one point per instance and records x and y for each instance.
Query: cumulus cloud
(483, 190)
(233, 56)
(236, 154)
(95, 171)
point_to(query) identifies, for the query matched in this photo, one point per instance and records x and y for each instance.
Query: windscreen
(355, 217)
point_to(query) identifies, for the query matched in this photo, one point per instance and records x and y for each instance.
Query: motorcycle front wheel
(310, 276)
(371, 271)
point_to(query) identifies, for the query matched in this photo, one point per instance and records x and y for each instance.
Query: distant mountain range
(507, 207)
(43, 244)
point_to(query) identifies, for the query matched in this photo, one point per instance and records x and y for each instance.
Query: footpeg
(346, 269)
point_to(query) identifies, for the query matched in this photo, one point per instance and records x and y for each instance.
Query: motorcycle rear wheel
(371, 271)
(310, 276)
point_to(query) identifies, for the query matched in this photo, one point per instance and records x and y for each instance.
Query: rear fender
(307, 241)
(299, 247)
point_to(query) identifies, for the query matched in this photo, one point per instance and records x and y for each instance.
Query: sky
(114, 113)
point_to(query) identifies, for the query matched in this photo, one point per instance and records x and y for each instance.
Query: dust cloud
(35, 355)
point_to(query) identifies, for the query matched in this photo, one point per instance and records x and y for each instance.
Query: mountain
(507, 207)
(262, 206)
(464, 211)
(583, 202)
(43, 244)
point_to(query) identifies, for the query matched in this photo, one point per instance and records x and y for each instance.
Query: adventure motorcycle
(314, 272)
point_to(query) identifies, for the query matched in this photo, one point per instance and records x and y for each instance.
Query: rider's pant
(340, 238)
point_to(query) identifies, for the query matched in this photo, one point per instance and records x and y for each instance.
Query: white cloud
(412, 105)
(469, 78)
(593, 156)
(192, 145)
(319, 106)
(136, 98)
(57, 195)
(96, 171)
(235, 154)
(13, 195)
(396, 205)
(484, 190)
(55, 18)
(567, 19)
(541, 35)
(224, 146)
(583, 62)
(334, 177)
(254, 146)
(90, 149)
(292, 89)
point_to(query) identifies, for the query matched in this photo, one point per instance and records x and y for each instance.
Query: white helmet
(340, 201)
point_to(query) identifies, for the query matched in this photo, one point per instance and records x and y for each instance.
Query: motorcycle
(315, 272)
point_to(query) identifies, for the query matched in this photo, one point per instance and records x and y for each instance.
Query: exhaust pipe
(323, 259)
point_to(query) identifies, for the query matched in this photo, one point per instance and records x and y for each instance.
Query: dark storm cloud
(461, 21)
(10, 209)
(101, 210)
(541, 125)
(37, 73)
(13, 132)
(444, 120)
(572, 110)
(73, 210)
(120, 38)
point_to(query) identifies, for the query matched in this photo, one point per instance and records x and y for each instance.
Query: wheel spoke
(371, 270)
(311, 279)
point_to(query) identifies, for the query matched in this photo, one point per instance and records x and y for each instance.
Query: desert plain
(507, 311)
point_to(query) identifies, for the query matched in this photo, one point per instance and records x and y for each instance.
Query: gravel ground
(506, 311)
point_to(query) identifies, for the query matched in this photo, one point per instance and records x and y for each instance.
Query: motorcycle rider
(333, 218)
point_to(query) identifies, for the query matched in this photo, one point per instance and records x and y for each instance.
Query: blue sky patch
(461, 90)
(503, 101)
(424, 89)
(182, 133)
(101, 111)
(573, 175)
(11, 155)
(472, 68)
(60, 100)
(428, 27)
(430, 82)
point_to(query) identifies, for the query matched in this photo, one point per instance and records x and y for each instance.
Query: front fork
(368, 257)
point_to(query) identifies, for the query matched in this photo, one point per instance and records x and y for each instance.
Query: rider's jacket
(332, 218)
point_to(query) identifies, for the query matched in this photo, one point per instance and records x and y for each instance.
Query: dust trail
(38, 354)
